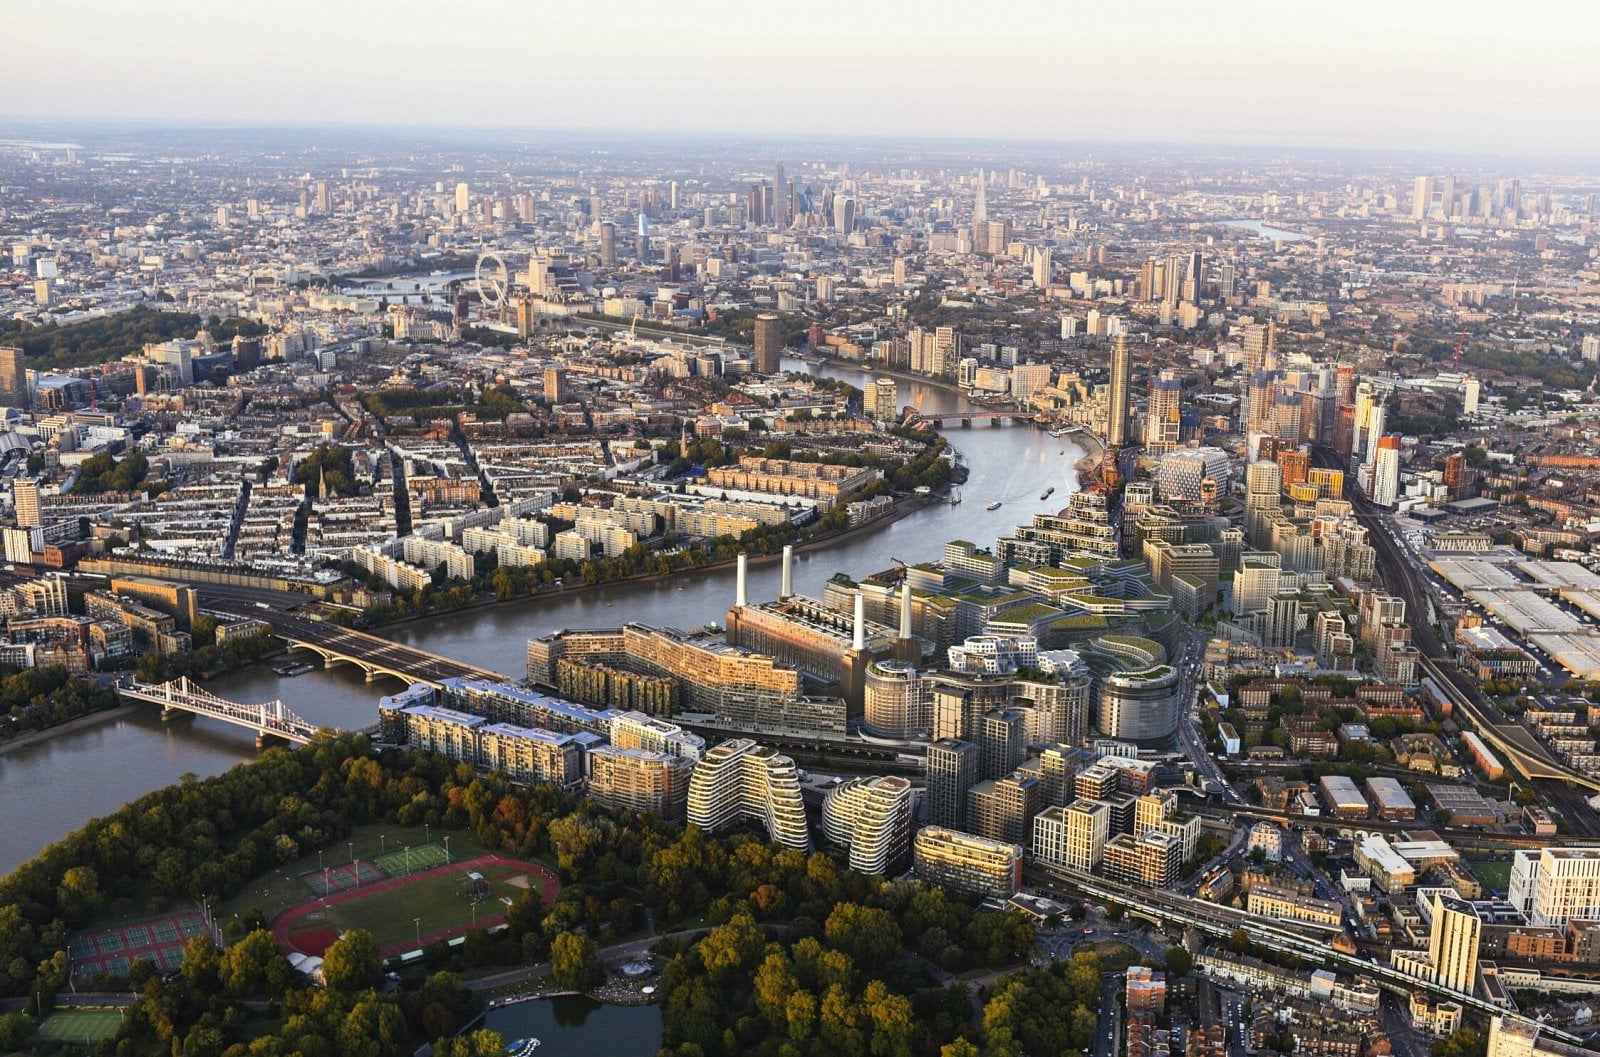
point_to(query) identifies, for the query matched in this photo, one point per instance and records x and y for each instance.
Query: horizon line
(655, 134)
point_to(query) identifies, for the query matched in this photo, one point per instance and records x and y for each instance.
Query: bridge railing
(273, 716)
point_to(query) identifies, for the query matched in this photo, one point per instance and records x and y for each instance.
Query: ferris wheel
(491, 280)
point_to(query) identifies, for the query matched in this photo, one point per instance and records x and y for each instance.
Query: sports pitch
(85, 1026)
(411, 860)
(438, 904)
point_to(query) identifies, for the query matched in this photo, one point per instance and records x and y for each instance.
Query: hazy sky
(1461, 75)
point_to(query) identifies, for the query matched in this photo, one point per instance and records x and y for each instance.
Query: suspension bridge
(267, 719)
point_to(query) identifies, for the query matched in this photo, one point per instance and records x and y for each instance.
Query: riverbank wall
(34, 737)
(904, 507)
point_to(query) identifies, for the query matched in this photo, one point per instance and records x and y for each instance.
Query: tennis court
(342, 878)
(83, 1026)
(114, 950)
(410, 860)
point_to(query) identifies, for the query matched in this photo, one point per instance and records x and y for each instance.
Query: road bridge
(965, 418)
(267, 718)
(374, 656)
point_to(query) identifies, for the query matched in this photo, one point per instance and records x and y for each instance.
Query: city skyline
(1152, 589)
(1369, 77)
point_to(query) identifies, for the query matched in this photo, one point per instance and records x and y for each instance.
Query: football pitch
(410, 860)
(84, 1026)
(1493, 874)
(407, 912)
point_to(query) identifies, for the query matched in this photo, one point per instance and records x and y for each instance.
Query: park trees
(1044, 1010)
(1463, 1042)
(868, 935)
(480, 1043)
(574, 962)
(15, 1030)
(374, 1028)
(201, 964)
(352, 962)
(254, 966)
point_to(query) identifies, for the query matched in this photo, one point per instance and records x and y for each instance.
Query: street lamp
(418, 923)
(447, 848)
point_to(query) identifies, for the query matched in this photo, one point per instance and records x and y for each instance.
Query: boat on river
(993, 506)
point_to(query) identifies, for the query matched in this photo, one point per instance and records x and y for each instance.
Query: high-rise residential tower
(1117, 395)
(13, 377)
(769, 343)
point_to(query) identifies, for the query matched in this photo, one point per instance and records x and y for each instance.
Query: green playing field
(425, 907)
(1493, 874)
(417, 857)
(80, 1025)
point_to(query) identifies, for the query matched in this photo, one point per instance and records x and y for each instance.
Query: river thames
(49, 788)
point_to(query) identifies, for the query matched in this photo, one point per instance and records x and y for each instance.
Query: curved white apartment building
(742, 780)
(872, 818)
(897, 702)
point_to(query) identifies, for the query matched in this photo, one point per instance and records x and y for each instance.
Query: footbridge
(267, 719)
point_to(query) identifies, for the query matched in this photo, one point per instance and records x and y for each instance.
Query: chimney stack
(860, 641)
(738, 586)
(905, 609)
(788, 571)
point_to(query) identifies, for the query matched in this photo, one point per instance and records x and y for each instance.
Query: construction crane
(1461, 343)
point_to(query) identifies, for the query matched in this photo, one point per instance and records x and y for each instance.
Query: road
(1108, 1029)
(620, 952)
(1238, 1030)
(1395, 1018)
(1190, 737)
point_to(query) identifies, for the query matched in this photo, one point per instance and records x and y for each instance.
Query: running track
(548, 887)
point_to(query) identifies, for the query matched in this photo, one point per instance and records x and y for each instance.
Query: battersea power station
(823, 643)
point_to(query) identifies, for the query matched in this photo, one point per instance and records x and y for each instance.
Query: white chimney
(738, 585)
(860, 641)
(788, 571)
(905, 609)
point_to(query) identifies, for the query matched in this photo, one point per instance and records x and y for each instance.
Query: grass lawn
(83, 1026)
(428, 906)
(1492, 874)
(1114, 955)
